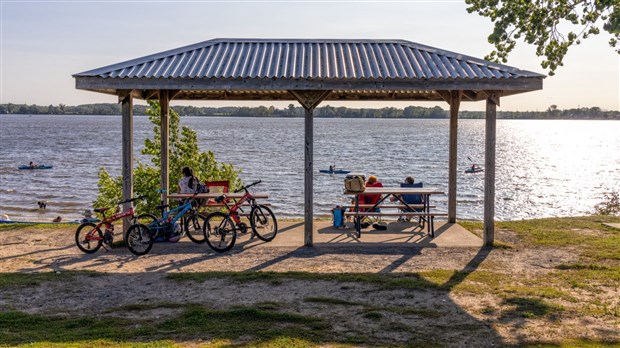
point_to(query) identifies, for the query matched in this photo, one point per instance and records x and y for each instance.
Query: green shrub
(184, 151)
(610, 204)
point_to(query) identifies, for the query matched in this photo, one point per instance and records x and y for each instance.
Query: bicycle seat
(220, 199)
(100, 210)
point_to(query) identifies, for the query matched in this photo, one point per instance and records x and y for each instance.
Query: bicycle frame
(170, 217)
(220, 229)
(232, 211)
(107, 222)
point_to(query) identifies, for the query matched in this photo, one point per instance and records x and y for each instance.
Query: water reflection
(544, 168)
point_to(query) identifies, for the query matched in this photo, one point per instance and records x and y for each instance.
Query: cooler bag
(338, 214)
(355, 183)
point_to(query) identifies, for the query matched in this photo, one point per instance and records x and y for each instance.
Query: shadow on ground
(331, 293)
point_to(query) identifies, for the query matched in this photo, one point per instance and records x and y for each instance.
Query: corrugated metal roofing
(309, 60)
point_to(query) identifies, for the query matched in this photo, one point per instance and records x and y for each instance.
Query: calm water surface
(544, 168)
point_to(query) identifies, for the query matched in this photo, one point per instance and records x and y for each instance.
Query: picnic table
(422, 211)
(215, 195)
(209, 198)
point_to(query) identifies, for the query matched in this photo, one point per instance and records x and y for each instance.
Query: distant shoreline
(292, 111)
(499, 117)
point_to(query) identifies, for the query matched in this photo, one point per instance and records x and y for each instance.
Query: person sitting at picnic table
(410, 198)
(366, 198)
(408, 181)
(189, 183)
(371, 198)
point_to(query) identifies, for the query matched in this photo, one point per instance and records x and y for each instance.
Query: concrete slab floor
(613, 225)
(291, 234)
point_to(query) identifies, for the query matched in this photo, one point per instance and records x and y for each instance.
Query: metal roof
(268, 68)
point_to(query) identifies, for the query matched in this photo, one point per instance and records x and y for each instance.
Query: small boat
(38, 166)
(474, 170)
(334, 171)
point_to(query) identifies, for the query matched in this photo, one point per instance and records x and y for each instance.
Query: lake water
(544, 168)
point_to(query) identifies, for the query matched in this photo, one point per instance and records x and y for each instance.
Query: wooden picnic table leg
(357, 220)
(431, 218)
(427, 210)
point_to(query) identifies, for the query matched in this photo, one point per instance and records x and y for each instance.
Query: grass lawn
(496, 301)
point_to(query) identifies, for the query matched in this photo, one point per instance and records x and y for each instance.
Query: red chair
(370, 198)
(216, 187)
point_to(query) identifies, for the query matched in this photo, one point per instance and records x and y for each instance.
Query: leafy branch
(538, 23)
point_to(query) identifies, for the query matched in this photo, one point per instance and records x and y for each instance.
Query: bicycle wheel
(263, 223)
(193, 227)
(88, 237)
(145, 219)
(139, 239)
(219, 231)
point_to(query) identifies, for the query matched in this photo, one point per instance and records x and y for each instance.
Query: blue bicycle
(173, 225)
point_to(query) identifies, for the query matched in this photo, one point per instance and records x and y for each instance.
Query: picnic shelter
(311, 71)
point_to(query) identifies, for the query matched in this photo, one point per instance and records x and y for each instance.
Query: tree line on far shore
(436, 112)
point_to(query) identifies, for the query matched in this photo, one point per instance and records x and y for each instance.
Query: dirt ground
(465, 320)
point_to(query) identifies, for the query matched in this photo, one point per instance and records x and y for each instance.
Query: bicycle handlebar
(132, 199)
(248, 186)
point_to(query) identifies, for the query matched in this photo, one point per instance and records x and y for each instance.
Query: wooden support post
(308, 176)
(455, 102)
(127, 153)
(489, 168)
(309, 100)
(164, 105)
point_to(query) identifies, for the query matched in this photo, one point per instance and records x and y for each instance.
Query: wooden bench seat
(245, 206)
(378, 213)
(220, 205)
(388, 206)
(428, 217)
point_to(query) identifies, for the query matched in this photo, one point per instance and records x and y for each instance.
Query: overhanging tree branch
(538, 23)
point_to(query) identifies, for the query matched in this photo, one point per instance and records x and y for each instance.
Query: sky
(42, 43)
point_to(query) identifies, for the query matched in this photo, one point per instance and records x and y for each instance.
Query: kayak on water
(38, 166)
(334, 171)
(474, 170)
(474, 167)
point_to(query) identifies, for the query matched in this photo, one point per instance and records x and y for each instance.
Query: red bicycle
(220, 229)
(89, 237)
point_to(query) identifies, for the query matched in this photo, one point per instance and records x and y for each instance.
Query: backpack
(200, 188)
(355, 183)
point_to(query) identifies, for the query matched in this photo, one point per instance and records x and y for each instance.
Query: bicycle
(171, 227)
(191, 221)
(88, 236)
(220, 229)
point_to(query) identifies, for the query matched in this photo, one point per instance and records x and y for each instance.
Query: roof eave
(509, 84)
